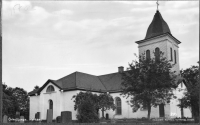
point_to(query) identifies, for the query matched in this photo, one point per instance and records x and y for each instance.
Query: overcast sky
(51, 39)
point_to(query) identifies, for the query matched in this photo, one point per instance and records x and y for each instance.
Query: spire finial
(157, 4)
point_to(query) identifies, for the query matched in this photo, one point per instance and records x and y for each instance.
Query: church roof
(78, 80)
(157, 27)
(112, 82)
(83, 81)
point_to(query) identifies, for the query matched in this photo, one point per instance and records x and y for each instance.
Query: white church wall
(44, 101)
(34, 106)
(40, 103)
(68, 102)
(175, 110)
(127, 111)
(151, 45)
(164, 43)
(62, 101)
(174, 46)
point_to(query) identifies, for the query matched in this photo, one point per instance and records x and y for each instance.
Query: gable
(56, 89)
(32, 93)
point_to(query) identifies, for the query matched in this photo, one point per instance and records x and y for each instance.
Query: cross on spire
(157, 4)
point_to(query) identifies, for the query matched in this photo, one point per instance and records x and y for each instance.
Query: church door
(50, 104)
(161, 110)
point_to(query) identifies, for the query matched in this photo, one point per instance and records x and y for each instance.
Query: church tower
(159, 38)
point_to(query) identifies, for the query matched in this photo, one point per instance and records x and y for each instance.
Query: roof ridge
(65, 76)
(108, 74)
(102, 83)
(85, 73)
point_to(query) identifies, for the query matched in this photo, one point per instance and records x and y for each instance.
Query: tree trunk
(192, 107)
(182, 114)
(149, 111)
(97, 110)
(103, 112)
(195, 110)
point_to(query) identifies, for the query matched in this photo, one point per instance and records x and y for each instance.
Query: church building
(57, 94)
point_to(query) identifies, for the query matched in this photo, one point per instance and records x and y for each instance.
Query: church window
(50, 88)
(175, 56)
(157, 54)
(148, 55)
(171, 54)
(118, 106)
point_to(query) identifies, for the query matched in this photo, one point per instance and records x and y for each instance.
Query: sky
(51, 39)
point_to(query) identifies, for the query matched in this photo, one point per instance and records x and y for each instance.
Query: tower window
(171, 54)
(148, 55)
(175, 56)
(118, 106)
(157, 54)
(50, 88)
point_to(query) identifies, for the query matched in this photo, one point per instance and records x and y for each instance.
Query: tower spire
(157, 4)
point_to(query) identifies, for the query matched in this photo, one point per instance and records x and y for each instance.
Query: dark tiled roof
(32, 92)
(158, 26)
(83, 81)
(112, 82)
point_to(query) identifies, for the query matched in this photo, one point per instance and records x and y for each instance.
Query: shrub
(87, 112)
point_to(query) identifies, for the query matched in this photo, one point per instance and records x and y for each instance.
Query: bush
(87, 112)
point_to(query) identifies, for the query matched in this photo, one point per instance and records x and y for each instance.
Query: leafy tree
(87, 112)
(15, 99)
(36, 88)
(22, 101)
(106, 102)
(149, 82)
(191, 98)
(8, 102)
(102, 101)
(87, 105)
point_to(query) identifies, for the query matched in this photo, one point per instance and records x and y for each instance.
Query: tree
(87, 105)
(191, 97)
(8, 102)
(95, 102)
(36, 88)
(106, 102)
(149, 82)
(15, 99)
(22, 101)
(87, 112)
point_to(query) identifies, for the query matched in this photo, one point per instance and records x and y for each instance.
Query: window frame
(157, 54)
(50, 89)
(171, 52)
(148, 55)
(118, 102)
(175, 61)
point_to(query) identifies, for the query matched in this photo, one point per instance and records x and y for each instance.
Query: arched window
(175, 56)
(157, 54)
(50, 104)
(171, 54)
(50, 88)
(148, 55)
(118, 106)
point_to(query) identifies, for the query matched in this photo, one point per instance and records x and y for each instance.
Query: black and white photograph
(112, 62)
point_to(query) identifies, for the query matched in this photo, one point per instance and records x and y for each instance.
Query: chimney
(120, 69)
